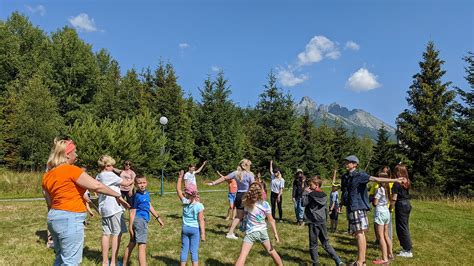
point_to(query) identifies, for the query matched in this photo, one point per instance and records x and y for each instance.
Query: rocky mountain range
(362, 122)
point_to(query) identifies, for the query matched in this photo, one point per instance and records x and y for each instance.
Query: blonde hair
(58, 153)
(253, 195)
(105, 160)
(244, 165)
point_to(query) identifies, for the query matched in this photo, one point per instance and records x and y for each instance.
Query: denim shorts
(114, 225)
(256, 237)
(231, 197)
(140, 231)
(67, 231)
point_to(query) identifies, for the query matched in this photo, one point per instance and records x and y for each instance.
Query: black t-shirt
(402, 193)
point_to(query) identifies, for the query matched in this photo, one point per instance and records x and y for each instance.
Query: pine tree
(461, 167)
(423, 128)
(310, 151)
(277, 133)
(383, 152)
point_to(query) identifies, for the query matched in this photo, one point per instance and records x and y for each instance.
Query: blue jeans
(190, 237)
(299, 209)
(67, 230)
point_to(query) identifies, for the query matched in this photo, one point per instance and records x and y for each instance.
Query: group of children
(310, 206)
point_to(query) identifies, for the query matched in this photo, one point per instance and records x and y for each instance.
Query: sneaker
(339, 262)
(231, 236)
(50, 244)
(405, 254)
(380, 262)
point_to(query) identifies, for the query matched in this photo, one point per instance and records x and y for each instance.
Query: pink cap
(190, 189)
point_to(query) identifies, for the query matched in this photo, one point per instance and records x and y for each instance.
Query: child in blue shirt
(194, 226)
(139, 219)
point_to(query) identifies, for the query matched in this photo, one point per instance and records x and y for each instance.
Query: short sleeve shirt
(276, 184)
(108, 205)
(191, 212)
(382, 198)
(190, 178)
(256, 217)
(244, 184)
(60, 183)
(402, 194)
(128, 175)
(334, 198)
(141, 202)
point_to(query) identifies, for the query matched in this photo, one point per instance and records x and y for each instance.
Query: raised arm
(200, 168)
(271, 168)
(219, 180)
(178, 186)
(334, 175)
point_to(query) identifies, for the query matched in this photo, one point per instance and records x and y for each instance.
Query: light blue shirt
(244, 184)
(190, 212)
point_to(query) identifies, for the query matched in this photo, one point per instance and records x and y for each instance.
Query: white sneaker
(405, 254)
(231, 236)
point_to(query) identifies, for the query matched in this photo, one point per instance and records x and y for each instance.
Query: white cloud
(183, 45)
(288, 78)
(215, 68)
(362, 80)
(82, 22)
(40, 9)
(352, 46)
(318, 48)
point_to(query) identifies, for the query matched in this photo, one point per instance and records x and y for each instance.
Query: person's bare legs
(235, 222)
(105, 249)
(361, 246)
(382, 243)
(276, 258)
(142, 254)
(128, 253)
(244, 252)
(388, 241)
(115, 249)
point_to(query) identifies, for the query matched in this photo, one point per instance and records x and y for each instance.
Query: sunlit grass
(442, 235)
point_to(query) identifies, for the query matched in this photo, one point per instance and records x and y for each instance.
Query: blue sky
(360, 54)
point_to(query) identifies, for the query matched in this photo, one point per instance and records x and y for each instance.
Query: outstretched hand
(123, 202)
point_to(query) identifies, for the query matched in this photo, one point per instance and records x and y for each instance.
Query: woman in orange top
(64, 185)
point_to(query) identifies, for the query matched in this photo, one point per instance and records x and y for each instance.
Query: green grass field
(442, 232)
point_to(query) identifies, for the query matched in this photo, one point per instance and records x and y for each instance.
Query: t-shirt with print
(382, 198)
(128, 175)
(334, 198)
(255, 217)
(276, 184)
(191, 212)
(60, 183)
(232, 185)
(244, 184)
(108, 205)
(141, 202)
(190, 178)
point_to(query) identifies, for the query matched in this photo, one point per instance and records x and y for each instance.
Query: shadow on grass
(216, 231)
(173, 216)
(216, 262)
(163, 260)
(42, 236)
(92, 254)
(217, 216)
(286, 257)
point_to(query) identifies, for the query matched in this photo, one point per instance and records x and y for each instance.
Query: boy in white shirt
(190, 176)
(113, 220)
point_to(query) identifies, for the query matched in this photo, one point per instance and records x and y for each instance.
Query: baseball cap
(352, 158)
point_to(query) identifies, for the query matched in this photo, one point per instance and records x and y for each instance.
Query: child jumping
(139, 219)
(256, 209)
(382, 219)
(113, 220)
(194, 226)
(315, 214)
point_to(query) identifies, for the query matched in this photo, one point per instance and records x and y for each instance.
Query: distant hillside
(362, 122)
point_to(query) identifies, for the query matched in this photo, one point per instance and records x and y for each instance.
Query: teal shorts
(382, 217)
(256, 237)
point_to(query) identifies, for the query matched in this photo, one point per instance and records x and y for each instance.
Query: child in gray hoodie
(315, 215)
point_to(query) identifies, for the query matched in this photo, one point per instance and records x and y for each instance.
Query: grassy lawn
(442, 233)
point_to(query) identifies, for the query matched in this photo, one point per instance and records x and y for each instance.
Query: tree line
(56, 85)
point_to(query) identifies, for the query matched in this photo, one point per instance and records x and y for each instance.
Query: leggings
(190, 237)
(274, 203)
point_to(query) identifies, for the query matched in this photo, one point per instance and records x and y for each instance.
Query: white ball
(163, 120)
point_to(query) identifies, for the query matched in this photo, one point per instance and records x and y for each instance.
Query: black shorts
(334, 214)
(128, 199)
(238, 200)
